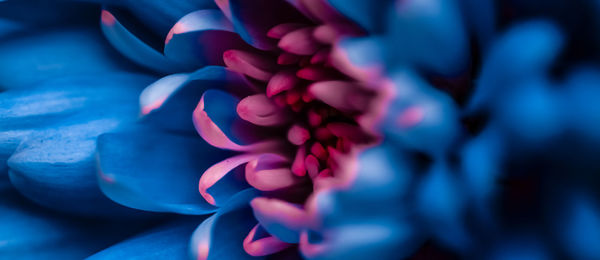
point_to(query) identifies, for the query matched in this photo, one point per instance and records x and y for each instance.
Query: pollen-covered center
(305, 94)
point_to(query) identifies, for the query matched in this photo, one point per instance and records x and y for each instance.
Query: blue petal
(526, 51)
(200, 39)
(66, 51)
(441, 203)
(15, 16)
(170, 101)
(251, 23)
(58, 123)
(155, 171)
(433, 123)
(160, 15)
(416, 30)
(29, 232)
(481, 17)
(368, 14)
(581, 108)
(579, 227)
(221, 236)
(134, 48)
(167, 242)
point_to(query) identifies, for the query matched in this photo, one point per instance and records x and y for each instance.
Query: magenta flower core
(308, 114)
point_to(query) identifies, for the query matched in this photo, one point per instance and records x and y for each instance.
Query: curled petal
(211, 29)
(218, 183)
(280, 218)
(255, 245)
(260, 110)
(270, 172)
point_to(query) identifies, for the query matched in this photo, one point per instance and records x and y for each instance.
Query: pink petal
(216, 172)
(342, 95)
(280, 218)
(260, 110)
(282, 81)
(212, 134)
(282, 29)
(263, 246)
(270, 172)
(298, 135)
(299, 42)
(251, 64)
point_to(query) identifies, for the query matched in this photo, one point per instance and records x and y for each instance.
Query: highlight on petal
(168, 102)
(135, 171)
(132, 47)
(200, 39)
(271, 172)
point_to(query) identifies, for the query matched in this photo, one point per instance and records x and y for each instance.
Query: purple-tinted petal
(200, 39)
(155, 171)
(167, 242)
(221, 236)
(132, 47)
(66, 51)
(168, 103)
(55, 126)
(30, 232)
(251, 23)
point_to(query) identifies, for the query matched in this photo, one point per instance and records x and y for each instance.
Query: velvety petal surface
(66, 51)
(52, 130)
(154, 171)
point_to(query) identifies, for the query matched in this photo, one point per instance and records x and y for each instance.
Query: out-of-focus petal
(167, 242)
(155, 171)
(222, 235)
(65, 52)
(578, 227)
(368, 14)
(55, 126)
(529, 49)
(421, 116)
(168, 103)
(417, 28)
(251, 23)
(200, 39)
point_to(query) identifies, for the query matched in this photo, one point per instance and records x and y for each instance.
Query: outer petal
(167, 242)
(153, 171)
(200, 39)
(169, 102)
(134, 48)
(66, 51)
(30, 232)
(55, 127)
(368, 14)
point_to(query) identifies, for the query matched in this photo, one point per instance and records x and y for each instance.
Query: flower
(321, 129)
